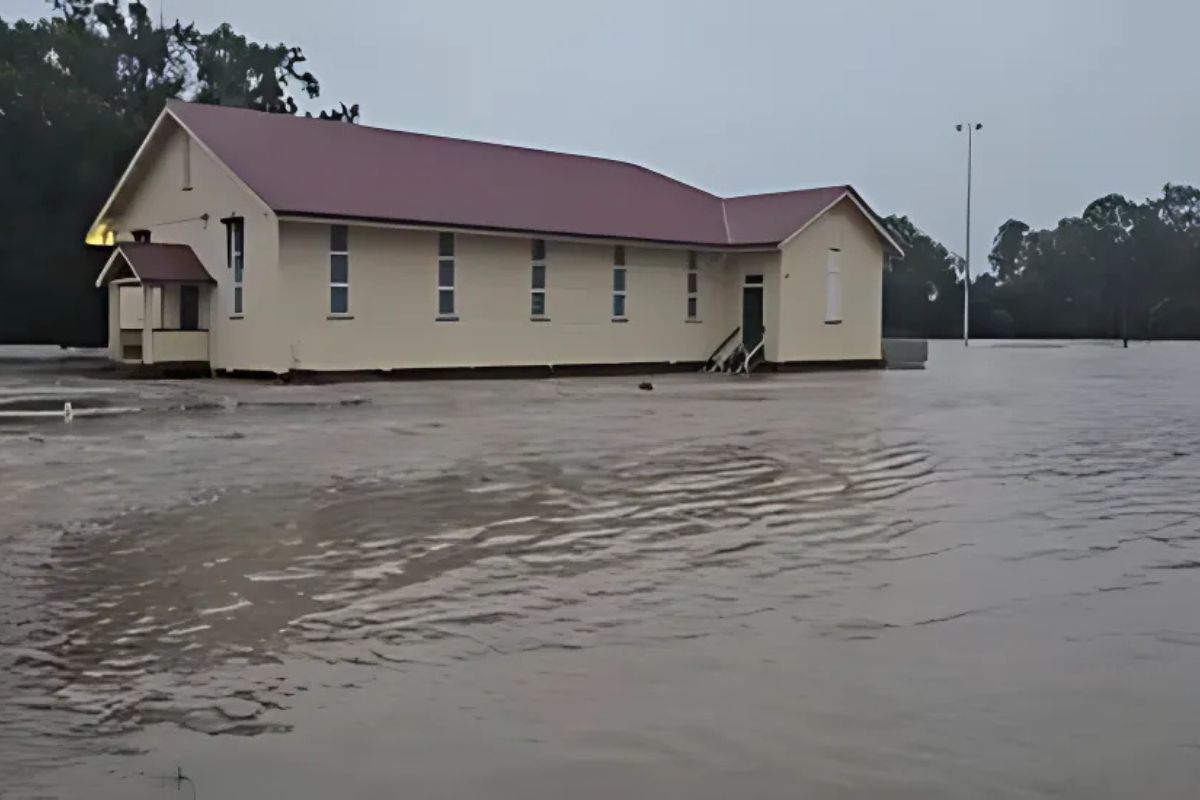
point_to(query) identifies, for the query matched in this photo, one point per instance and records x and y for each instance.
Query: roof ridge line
(462, 139)
(838, 186)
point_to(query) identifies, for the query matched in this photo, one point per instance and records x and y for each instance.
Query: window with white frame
(339, 269)
(537, 297)
(693, 287)
(446, 276)
(618, 287)
(833, 288)
(235, 235)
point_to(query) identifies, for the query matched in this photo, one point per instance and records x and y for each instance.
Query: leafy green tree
(1121, 269)
(1008, 250)
(922, 291)
(1171, 308)
(233, 71)
(79, 90)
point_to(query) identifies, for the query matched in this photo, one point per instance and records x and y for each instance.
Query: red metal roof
(774, 217)
(311, 167)
(162, 263)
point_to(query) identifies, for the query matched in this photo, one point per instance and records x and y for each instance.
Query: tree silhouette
(1119, 270)
(1008, 250)
(79, 90)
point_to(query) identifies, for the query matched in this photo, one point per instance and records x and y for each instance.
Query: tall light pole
(971, 128)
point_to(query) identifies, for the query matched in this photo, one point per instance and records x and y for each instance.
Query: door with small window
(752, 312)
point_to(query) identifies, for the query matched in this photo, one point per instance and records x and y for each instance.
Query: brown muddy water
(980, 580)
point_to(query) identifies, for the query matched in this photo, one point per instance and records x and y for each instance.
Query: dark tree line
(79, 90)
(1119, 270)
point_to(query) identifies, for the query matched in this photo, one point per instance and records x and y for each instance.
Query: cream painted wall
(154, 199)
(131, 307)
(170, 306)
(393, 303)
(175, 346)
(114, 321)
(803, 332)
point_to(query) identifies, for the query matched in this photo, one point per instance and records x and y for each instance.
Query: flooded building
(246, 241)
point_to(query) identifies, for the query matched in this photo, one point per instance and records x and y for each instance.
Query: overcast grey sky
(1078, 98)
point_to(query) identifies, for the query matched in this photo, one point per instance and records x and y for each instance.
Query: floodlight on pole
(971, 127)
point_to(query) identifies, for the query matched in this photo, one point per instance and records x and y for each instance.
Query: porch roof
(155, 263)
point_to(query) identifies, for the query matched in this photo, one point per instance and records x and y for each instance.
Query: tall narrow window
(235, 237)
(187, 163)
(339, 269)
(537, 297)
(833, 288)
(618, 295)
(693, 287)
(446, 276)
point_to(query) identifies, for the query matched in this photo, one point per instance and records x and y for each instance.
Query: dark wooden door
(189, 308)
(752, 317)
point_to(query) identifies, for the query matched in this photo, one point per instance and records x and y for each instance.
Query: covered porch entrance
(744, 350)
(159, 296)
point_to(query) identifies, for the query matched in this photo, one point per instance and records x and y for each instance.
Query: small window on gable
(187, 163)
(833, 288)
(142, 235)
(619, 256)
(235, 233)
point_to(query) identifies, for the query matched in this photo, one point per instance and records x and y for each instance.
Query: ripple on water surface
(197, 615)
(173, 616)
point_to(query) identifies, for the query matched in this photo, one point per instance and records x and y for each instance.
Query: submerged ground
(980, 580)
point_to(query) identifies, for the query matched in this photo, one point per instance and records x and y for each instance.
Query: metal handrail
(721, 347)
(750, 355)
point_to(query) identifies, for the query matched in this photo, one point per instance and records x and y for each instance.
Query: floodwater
(981, 580)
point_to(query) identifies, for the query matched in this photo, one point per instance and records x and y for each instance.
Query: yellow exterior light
(101, 235)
